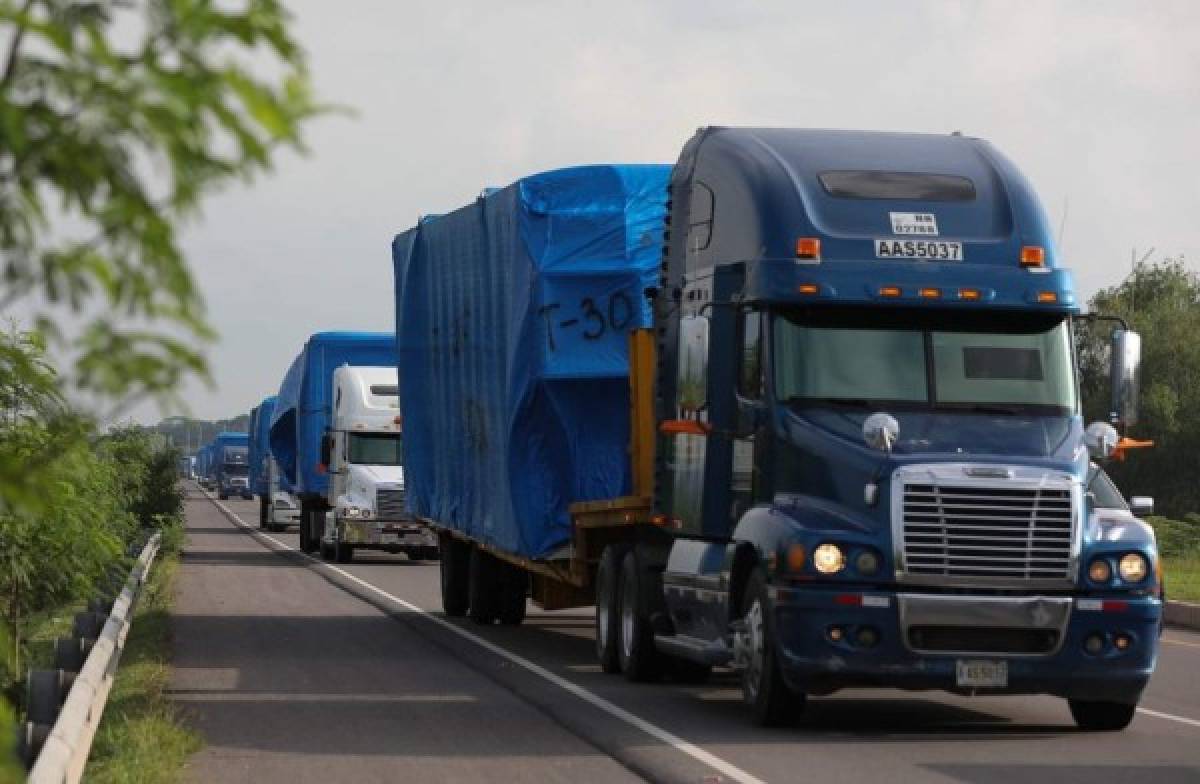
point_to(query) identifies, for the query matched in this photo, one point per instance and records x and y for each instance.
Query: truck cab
(233, 477)
(363, 454)
(871, 456)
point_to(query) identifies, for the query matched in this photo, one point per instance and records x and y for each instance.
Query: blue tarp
(301, 412)
(512, 318)
(260, 428)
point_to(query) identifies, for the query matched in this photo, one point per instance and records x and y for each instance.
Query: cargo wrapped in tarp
(301, 413)
(260, 451)
(512, 319)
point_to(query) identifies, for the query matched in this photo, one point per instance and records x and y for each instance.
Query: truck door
(750, 415)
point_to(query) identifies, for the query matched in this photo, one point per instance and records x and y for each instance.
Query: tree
(116, 118)
(1162, 302)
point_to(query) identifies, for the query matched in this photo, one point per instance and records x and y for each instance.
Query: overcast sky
(1097, 102)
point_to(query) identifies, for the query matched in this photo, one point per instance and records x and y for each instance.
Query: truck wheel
(222, 496)
(429, 554)
(1094, 715)
(639, 659)
(343, 553)
(483, 588)
(773, 703)
(455, 569)
(263, 508)
(514, 591)
(608, 609)
(304, 530)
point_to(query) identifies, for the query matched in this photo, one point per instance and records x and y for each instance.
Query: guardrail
(65, 704)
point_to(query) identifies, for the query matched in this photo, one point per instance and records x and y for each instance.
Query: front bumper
(812, 661)
(387, 534)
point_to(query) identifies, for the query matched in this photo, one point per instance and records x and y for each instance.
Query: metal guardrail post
(65, 753)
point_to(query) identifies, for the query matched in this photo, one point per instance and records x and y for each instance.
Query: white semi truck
(363, 456)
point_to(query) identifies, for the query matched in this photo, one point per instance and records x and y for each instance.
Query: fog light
(828, 559)
(836, 633)
(1122, 641)
(1094, 644)
(1133, 567)
(866, 562)
(1099, 571)
(867, 637)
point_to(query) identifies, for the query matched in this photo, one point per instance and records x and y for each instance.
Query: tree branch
(14, 48)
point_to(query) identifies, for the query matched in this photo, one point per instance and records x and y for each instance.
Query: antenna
(1062, 226)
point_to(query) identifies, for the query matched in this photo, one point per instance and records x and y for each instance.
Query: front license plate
(981, 674)
(930, 250)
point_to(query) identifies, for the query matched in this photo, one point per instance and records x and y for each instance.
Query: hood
(388, 477)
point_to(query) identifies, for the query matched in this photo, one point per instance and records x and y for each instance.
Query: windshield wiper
(853, 402)
(989, 408)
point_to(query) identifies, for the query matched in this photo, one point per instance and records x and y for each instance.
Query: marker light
(1047, 297)
(889, 291)
(1033, 256)
(796, 557)
(1099, 571)
(828, 559)
(808, 248)
(931, 293)
(808, 288)
(1133, 567)
(866, 562)
(972, 295)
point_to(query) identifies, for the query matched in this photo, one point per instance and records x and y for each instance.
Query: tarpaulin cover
(260, 429)
(512, 319)
(301, 412)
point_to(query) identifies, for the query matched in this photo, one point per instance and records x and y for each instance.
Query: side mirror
(880, 431)
(1141, 505)
(327, 448)
(1101, 440)
(1126, 371)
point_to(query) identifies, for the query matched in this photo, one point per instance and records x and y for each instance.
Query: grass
(142, 737)
(1183, 577)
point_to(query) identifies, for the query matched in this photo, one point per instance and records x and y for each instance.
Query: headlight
(828, 559)
(1133, 567)
(1099, 571)
(351, 512)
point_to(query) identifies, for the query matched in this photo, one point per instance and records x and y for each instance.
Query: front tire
(608, 608)
(640, 660)
(1099, 716)
(771, 700)
(263, 509)
(455, 568)
(484, 588)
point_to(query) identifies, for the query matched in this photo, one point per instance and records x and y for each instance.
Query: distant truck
(335, 433)
(204, 466)
(277, 507)
(231, 465)
(804, 404)
(187, 467)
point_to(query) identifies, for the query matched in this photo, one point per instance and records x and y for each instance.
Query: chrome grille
(987, 531)
(389, 504)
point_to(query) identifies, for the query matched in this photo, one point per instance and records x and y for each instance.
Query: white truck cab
(281, 509)
(362, 453)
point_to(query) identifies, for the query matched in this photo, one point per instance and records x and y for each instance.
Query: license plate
(981, 674)
(930, 250)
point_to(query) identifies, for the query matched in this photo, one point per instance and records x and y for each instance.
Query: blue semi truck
(230, 466)
(277, 507)
(842, 447)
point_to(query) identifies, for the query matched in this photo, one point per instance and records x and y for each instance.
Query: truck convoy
(804, 404)
(230, 465)
(335, 433)
(277, 508)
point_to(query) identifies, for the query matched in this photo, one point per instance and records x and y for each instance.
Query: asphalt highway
(298, 671)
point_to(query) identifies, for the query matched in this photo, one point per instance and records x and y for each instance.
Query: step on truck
(277, 507)
(805, 404)
(335, 434)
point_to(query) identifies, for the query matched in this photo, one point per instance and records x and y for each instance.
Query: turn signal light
(796, 557)
(889, 291)
(1047, 297)
(1033, 256)
(931, 293)
(972, 295)
(809, 288)
(808, 248)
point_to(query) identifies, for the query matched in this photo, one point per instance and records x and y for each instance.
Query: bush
(1177, 537)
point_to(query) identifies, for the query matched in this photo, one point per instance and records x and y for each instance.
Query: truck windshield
(235, 469)
(374, 449)
(944, 360)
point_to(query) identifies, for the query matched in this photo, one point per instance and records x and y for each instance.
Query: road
(299, 671)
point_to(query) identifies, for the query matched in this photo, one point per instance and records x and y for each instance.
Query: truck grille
(389, 504)
(975, 531)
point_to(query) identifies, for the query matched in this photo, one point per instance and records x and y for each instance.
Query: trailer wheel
(455, 569)
(304, 529)
(1097, 716)
(514, 592)
(263, 509)
(484, 585)
(640, 660)
(313, 522)
(342, 553)
(608, 608)
(771, 700)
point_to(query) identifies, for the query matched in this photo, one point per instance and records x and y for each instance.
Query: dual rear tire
(479, 585)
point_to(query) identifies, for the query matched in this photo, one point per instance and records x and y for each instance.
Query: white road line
(679, 744)
(1169, 717)
(1180, 642)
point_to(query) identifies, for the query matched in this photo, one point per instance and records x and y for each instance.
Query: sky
(1097, 102)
